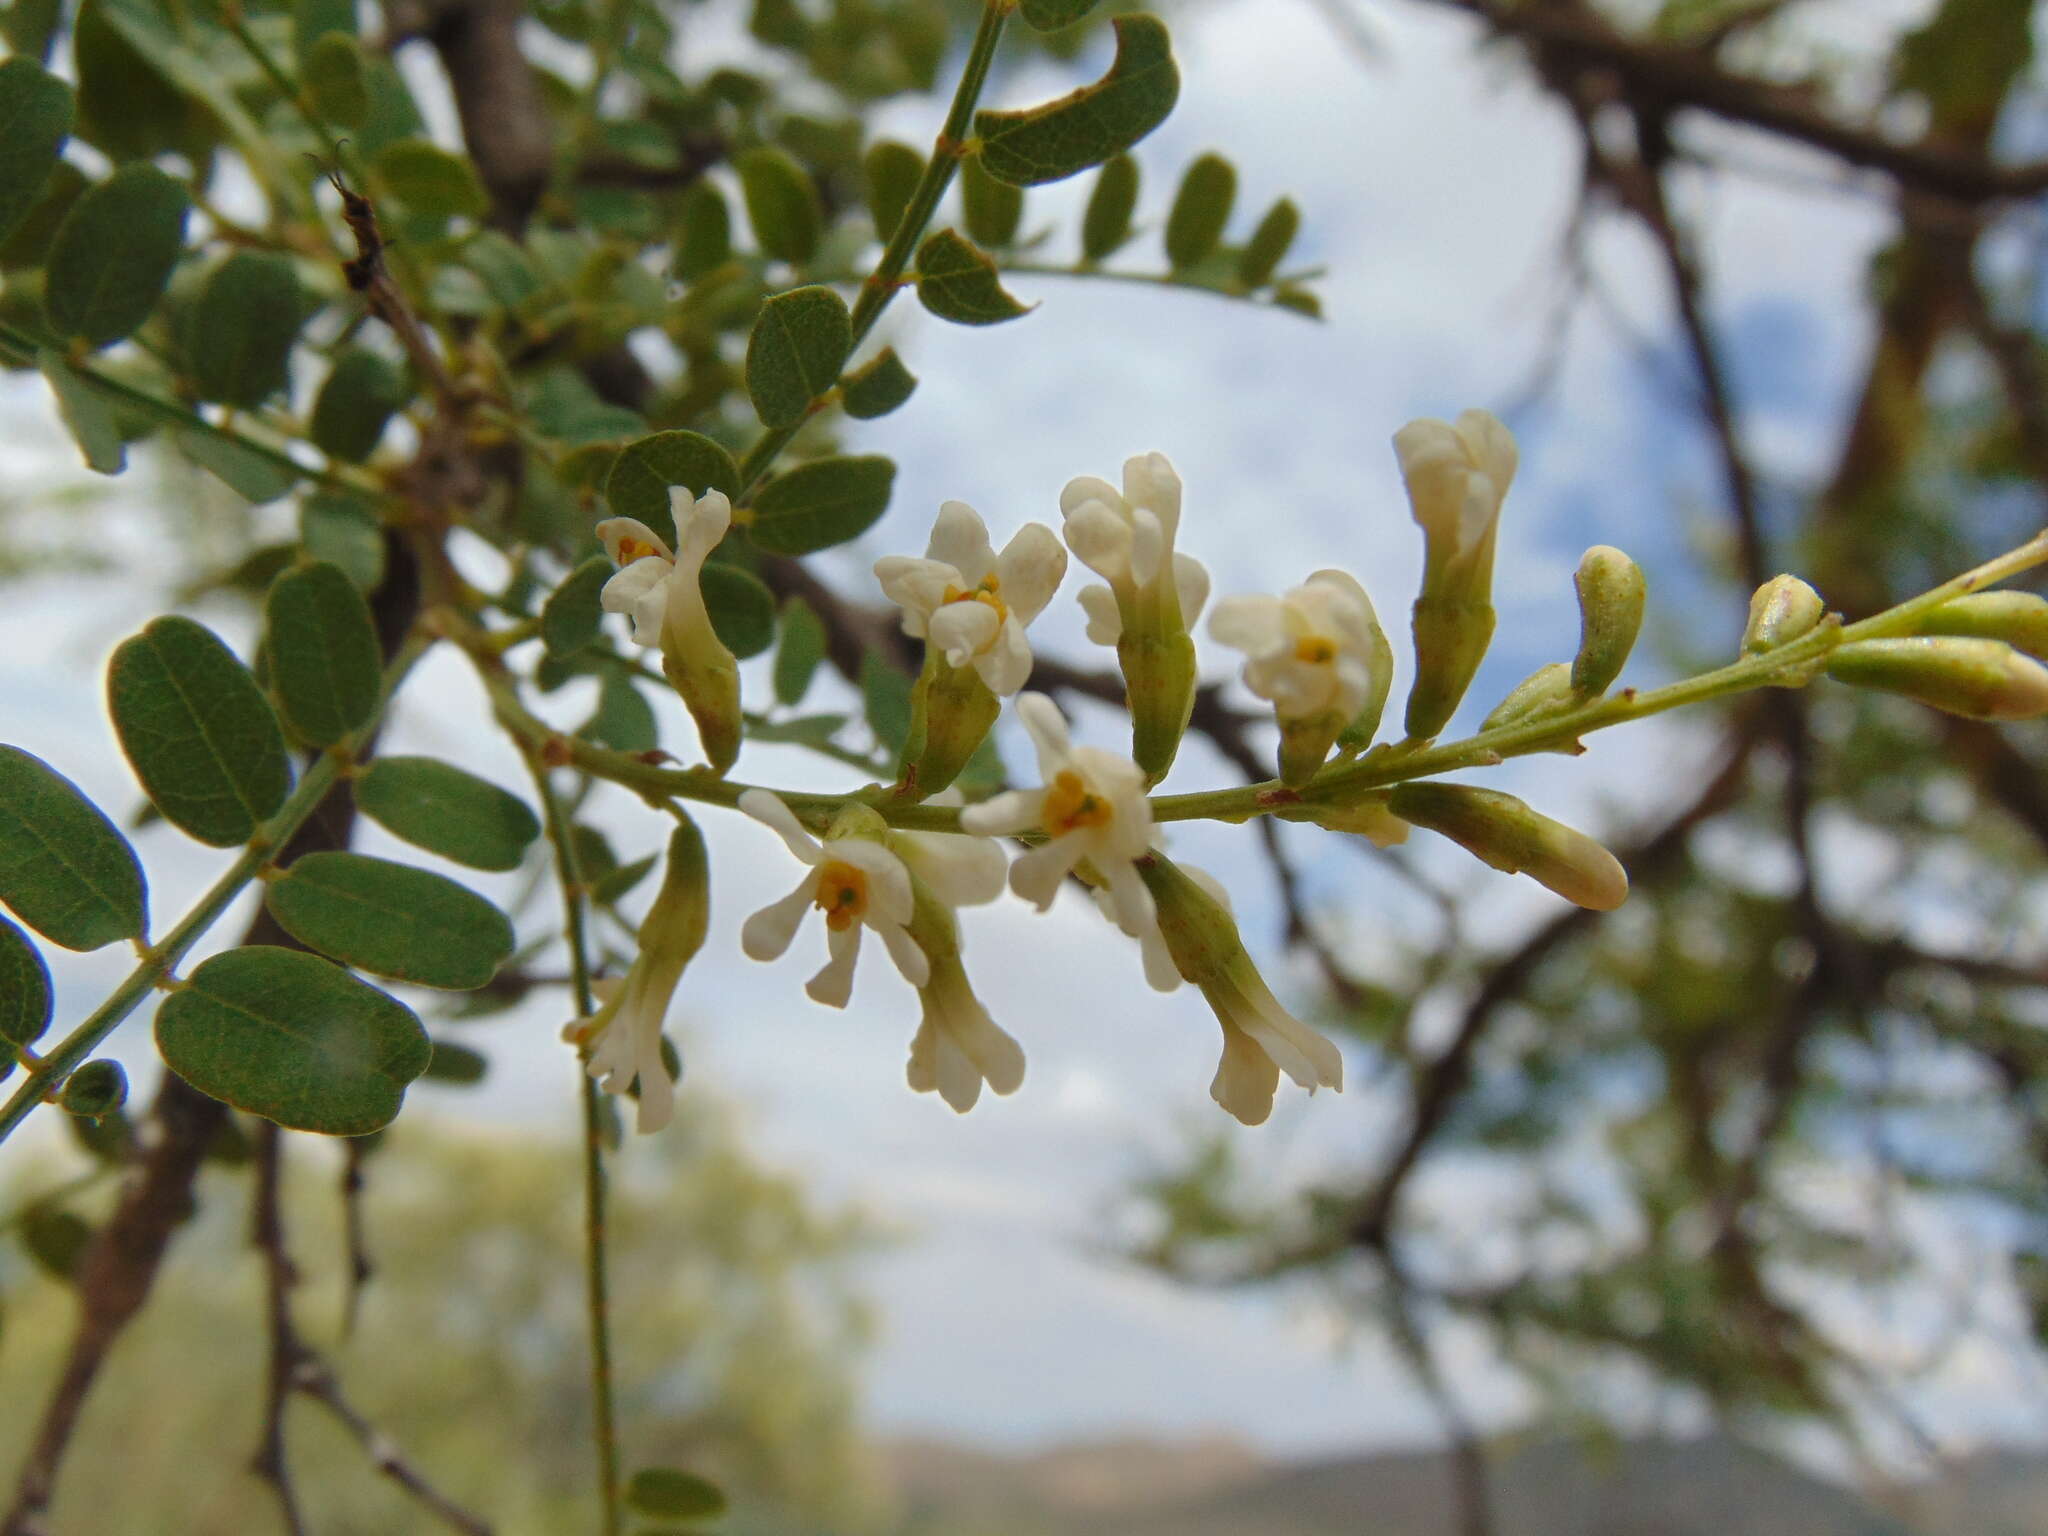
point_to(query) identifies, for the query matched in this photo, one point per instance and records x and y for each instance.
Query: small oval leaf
(993, 208)
(1065, 137)
(667, 1493)
(89, 418)
(825, 502)
(803, 647)
(64, 868)
(438, 807)
(798, 345)
(342, 529)
(335, 80)
(570, 618)
(240, 333)
(742, 609)
(956, 281)
(392, 919)
(644, 471)
(890, 173)
(197, 731)
(1268, 245)
(1201, 209)
(114, 253)
(324, 661)
(35, 120)
(361, 395)
(1051, 15)
(782, 203)
(878, 386)
(430, 180)
(703, 238)
(1107, 223)
(285, 1035)
(25, 1001)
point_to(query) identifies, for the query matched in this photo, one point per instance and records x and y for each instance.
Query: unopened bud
(705, 674)
(681, 914)
(951, 711)
(1610, 587)
(1781, 610)
(1542, 692)
(1978, 679)
(2018, 618)
(1451, 637)
(1507, 834)
(1159, 687)
(95, 1089)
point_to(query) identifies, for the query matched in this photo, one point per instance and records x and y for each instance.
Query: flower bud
(1159, 688)
(1542, 692)
(1978, 679)
(951, 711)
(1451, 637)
(1610, 587)
(1781, 610)
(2018, 618)
(1260, 1038)
(1507, 834)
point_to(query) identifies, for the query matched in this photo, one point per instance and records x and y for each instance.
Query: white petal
(627, 586)
(1047, 728)
(889, 897)
(1150, 542)
(1245, 1078)
(1086, 488)
(1151, 484)
(1036, 874)
(1252, 624)
(833, 985)
(960, 539)
(916, 586)
(904, 950)
(700, 526)
(1005, 665)
(937, 1062)
(962, 630)
(768, 809)
(1131, 899)
(1490, 446)
(1014, 810)
(960, 871)
(767, 934)
(1100, 539)
(1031, 568)
(614, 531)
(1105, 619)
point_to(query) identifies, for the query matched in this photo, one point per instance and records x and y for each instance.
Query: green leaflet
(113, 255)
(339, 528)
(430, 180)
(1201, 210)
(392, 919)
(324, 660)
(821, 503)
(355, 404)
(742, 610)
(782, 203)
(25, 1001)
(64, 868)
(1065, 137)
(956, 281)
(197, 731)
(570, 618)
(878, 386)
(1268, 245)
(35, 120)
(798, 345)
(803, 647)
(240, 333)
(667, 1493)
(889, 176)
(1051, 15)
(644, 471)
(89, 418)
(335, 80)
(1106, 224)
(287, 1036)
(703, 240)
(993, 208)
(445, 810)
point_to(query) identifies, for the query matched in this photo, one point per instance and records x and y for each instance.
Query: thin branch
(272, 1461)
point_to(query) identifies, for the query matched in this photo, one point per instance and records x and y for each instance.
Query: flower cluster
(1317, 654)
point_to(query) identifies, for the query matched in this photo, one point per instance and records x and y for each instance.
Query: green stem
(19, 350)
(1337, 783)
(161, 958)
(597, 1279)
(882, 283)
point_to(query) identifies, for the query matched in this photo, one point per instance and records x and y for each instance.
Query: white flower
(971, 603)
(1092, 807)
(1127, 539)
(958, 1046)
(854, 881)
(627, 1029)
(1457, 476)
(1260, 1041)
(1317, 651)
(653, 586)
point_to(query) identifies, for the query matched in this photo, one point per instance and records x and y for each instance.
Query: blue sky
(1436, 187)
